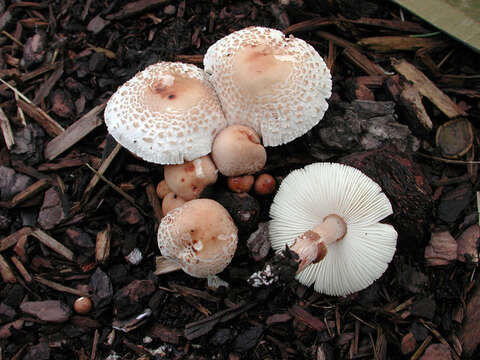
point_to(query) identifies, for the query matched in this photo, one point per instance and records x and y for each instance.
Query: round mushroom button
(82, 305)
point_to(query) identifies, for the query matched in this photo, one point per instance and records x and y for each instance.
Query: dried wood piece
(96, 338)
(400, 43)
(102, 245)
(12, 239)
(48, 85)
(101, 170)
(305, 317)
(53, 244)
(165, 266)
(399, 25)
(60, 287)
(30, 192)
(6, 130)
(5, 272)
(51, 126)
(335, 39)
(199, 328)
(427, 88)
(165, 334)
(191, 59)
(454, 138)
(441, 250)
(135, 7)
(308, 25)
(64, 163)
(154, 201)
(74, 133)
(21, 269)
(186, 291)
(363, 62)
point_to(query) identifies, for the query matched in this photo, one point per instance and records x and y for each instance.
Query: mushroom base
(312, 246)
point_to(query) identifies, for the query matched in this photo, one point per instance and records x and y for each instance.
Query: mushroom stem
(312, 245)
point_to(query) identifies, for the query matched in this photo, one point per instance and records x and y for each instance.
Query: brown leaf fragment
(467, 250)
(427, 88)
(441, 250)
(48, 310)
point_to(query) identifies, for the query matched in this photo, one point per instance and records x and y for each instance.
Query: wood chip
(363, 61)
(400, 43)
(21, 269)
(135, 7)
(5, 271)
(74, 133)
(427, 88)
(60, 287)
(53, 244)
(12, 239)
(41, 117)
(102, 245)
(30, 192)
(47, 86)
(305, 317)
(6, 130)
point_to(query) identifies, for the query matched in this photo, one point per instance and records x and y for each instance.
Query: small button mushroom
(82, 305)
(200, 236)
(237, 150)
(162, 189)
(329, 215)
(189, 179)
(264, 184)
(240, 184)
(166, 114)
(171, 201)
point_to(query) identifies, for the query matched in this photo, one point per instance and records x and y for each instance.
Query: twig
(59, 287)
(53, 244)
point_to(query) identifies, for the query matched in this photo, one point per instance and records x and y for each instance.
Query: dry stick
(5, 271)
(106, 163)
(47, 86)
(427, 88)
(30, 75)
(53, 244)
(21, 269)
(6, 130)
(52, 127)
(421, 348)
(74, 133)
(130, 199)
(102, 245)
(60, 287)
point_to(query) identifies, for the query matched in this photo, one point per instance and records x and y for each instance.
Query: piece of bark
(132, 298)
(127, 214)
(53, 244)
(455, 138)
(363, 62)
(74, 133)
(400, 43)
(442, 249)
(62, 104)
(427, 88)
(467, 250)
(12, 239)
(97, 24)
(52, 127)
(454, 202)
(48, 85)
(278, 318)
(29, 142)
(258, 242)
(165, 334)
(48, 310)
(21, 269)
(399, 25)
(6, 272)
(5, 330)
(305, 317)
(34, 50)
(6, 130)
(190, 59)
(102, 245)
(30, 192)
(52, 211)
(402, 180)
(60, 287)
(470, 331)
(12, 183)
(308, 25)
(437, 352)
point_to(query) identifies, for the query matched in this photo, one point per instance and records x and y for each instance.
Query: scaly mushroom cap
(200, 236)
(306, 196)
(274, 84)
(166, 113)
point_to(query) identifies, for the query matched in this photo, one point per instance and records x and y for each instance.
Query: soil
(78, 214)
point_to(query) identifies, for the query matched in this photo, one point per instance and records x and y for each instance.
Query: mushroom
(237, 150)
(274, 84)
(328, 214)
(200, 237)
(189, 179)
(166, 113)
(171, 201)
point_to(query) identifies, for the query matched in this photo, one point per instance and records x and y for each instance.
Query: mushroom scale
(307, 197)
(200, 236)
(274, 84)
(166, 113)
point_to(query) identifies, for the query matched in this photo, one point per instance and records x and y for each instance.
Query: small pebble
(82, 305)
(265, 184)
(240, 184)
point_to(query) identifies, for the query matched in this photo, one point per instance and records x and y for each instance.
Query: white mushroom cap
(200, 236)
(166, 113)
(307, 196)
(274, 84)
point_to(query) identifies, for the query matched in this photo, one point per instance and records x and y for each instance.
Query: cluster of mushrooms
(258, 88)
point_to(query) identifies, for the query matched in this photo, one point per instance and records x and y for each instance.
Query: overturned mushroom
(329, 215)
(166, 113)
(201, 237)
(274, 84)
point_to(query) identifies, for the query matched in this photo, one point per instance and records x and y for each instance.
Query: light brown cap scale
(200, 236)
(275, 84)
(166, 113)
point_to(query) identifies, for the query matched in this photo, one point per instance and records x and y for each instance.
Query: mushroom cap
(200, 236)
(306, 196)
(274, 84)
(166, 113)
(237, 150)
